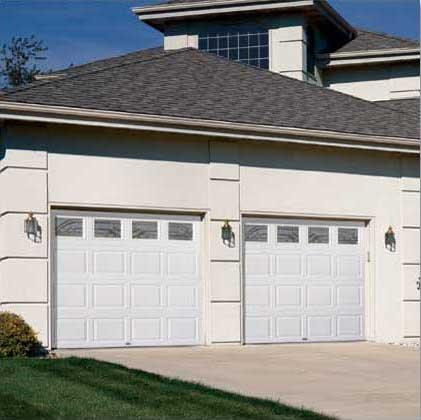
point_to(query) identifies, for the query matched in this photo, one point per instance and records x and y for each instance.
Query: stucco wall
(104, 169)
(24, 277)
(375, 82)
(287, 38)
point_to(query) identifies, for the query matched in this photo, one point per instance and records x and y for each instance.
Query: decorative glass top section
(256, 233)
(288, 234)
(69, 226)
(249, 47)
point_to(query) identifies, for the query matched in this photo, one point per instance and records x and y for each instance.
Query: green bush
(17, 338)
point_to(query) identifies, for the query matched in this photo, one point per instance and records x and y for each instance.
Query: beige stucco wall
(107, 169)
(24, 278)
(375, 82)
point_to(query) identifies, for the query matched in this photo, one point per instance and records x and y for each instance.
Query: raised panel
(146, 263)
(258, 327)
(258, 296)
(349, 325)
(144, 296)
(319, 326)
(257, 265)
(146, 329)
(182, 264)
(289, 327)
(71, 296)
(109, 262)
(349, 296)
(288, 265)
(319, 296)
(183, 329)
(349, 266)
(72, 262)
(182, 296)
(109, 330)
(319, 265)
(72, 329)
(288, 296)
(110, 296)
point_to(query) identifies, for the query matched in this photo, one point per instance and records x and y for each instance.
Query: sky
(79, 31)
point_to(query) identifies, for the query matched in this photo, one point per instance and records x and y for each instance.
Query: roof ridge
(51, 81)
(387, 35)
(101, 60)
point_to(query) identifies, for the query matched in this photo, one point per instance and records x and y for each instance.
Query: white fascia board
(203, 4)
(225, 8)
(369, 53)
(368, 57)
(371, 60)
(238, 131)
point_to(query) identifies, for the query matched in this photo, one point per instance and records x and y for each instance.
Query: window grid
(249, 48)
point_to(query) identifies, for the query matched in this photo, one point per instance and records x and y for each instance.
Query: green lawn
(85, 388)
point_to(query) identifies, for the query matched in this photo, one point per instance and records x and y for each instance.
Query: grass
(85, 388)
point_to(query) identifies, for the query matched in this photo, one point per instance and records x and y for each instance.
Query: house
(256, 180)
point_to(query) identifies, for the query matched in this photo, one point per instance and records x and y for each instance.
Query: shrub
(17, 338)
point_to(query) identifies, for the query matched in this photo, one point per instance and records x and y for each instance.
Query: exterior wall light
(390, 240)
(32, 228)
(227, 234)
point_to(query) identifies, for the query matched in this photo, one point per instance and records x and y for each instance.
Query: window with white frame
(246, 47)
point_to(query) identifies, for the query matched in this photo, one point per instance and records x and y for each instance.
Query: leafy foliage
(17, 338)
(17, 65)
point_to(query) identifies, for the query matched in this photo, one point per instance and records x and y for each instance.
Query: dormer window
(249, 48)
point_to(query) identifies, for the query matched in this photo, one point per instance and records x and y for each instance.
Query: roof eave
(368, 57)
(154, 14)
(121, 120)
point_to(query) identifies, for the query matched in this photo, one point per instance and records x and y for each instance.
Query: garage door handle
(418, 283)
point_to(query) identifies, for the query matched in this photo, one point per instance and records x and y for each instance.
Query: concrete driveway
(352, 381)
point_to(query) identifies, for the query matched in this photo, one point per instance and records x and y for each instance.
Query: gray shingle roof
(369, 40)
(112, 61)
(409, 106)
(193, 84)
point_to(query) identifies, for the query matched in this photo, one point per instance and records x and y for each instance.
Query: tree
(17, 65)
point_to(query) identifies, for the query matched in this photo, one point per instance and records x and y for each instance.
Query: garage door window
(288, 234)
(180, 231)
(256, 233)
(347, 236)
(69, 227)
(318, 235)
(107, 228)
(144, 230)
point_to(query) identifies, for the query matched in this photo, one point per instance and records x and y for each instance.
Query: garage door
(304, 281)
(127, 280)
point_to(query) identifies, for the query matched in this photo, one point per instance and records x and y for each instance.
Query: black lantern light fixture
(32, 227)
(390, 240)
(226, 233)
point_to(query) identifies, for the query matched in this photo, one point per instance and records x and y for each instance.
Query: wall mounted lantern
(390, 240)
(227, 234)
(32, 228)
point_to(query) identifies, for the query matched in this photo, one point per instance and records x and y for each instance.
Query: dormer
(283, 36)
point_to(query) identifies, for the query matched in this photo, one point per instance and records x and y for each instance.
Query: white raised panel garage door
(304, 281)
(127, 280)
